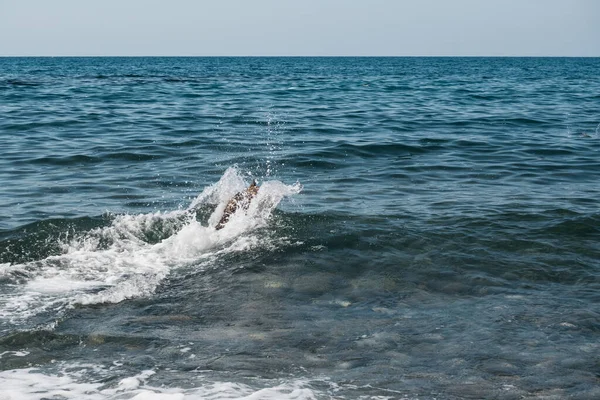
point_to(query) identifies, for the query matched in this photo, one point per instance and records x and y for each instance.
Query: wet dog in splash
(241, 199)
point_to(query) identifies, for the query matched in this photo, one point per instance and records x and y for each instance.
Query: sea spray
(132, 256)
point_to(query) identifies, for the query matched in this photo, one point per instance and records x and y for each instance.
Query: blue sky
(306, 27)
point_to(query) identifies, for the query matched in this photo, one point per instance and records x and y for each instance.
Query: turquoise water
(426, 228)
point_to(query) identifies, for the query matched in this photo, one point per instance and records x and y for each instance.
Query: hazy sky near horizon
(294, 27)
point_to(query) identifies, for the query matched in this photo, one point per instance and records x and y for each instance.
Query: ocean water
(426, 228)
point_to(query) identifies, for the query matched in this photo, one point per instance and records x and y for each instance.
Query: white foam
(32, 384)
(115, 263)
(134, 382)
(60, 284)
(21, 353)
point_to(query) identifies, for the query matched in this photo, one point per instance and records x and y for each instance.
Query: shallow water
(426, 228)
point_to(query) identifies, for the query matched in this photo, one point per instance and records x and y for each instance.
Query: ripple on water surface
(444, 243)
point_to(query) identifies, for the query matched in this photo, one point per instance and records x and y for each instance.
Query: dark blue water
(426, 228)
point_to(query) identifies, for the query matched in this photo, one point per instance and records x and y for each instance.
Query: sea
(425, 228)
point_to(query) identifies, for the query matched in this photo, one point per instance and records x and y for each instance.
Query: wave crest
(131, 256)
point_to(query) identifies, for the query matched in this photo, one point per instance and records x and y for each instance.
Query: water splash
(130, 257)
(273, 143)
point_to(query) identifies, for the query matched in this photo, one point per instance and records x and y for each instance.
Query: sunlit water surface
(425, 229)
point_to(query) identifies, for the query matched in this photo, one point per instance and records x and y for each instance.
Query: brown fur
(240, 199)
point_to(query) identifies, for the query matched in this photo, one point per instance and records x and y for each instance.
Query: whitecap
(118, 262)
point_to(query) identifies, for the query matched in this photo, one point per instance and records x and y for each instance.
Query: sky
(300, 28)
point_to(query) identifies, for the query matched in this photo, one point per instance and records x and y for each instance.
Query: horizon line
(295, 56)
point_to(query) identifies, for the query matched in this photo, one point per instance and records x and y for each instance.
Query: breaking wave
(130, 257)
